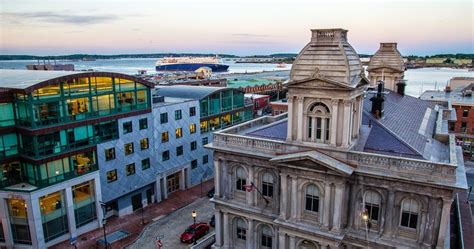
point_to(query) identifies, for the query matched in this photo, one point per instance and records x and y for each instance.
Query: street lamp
(194, 214)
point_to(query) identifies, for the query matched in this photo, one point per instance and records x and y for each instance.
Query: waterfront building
(344, 168)
(387, 64)
(260, 103)
(461, 123)
(218, 108)
(279, 107)
(52, 127)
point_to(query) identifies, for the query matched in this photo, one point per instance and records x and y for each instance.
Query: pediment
(386, 69)
(315, 160)
(318, 82)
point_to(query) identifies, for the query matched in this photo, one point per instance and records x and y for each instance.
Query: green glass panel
(6, 118)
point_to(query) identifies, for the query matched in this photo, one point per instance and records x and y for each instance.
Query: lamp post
(194, 214)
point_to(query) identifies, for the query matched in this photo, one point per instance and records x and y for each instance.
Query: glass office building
(50, 125)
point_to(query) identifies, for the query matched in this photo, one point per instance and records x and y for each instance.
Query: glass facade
(84, 203)
(53, 215)
(20, 229)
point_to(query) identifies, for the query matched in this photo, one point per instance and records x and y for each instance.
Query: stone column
(389, 219)
(292, 242)
(250, 195)
(158, 189)
(218, 221)
(226, 229)
(250, 234)
(338, 195)
(323, 130)
(346, 122)
(35, 223)
(300, 131)
(355, 121)
(284, 196)
(182, 180)
(70, 212)
(335, 106)
(294, 197)
(444, 223)
(313, 130)
(289, 135)
(327, 205)
(281, 240)
(217, 178)
(98, 197)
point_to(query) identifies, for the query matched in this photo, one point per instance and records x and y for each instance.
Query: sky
(241, 27)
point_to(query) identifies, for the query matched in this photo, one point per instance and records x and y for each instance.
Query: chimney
(377, 101)
(401, 87)
(448, 89)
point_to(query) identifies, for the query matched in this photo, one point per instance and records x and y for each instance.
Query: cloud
(255, 35)
(51, 17)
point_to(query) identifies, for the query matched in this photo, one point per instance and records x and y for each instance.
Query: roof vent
(377, 101)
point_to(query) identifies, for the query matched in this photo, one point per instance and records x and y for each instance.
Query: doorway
(137, 202)
(172, 182)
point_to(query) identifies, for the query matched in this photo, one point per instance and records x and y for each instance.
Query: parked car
(194, 232)
(210, 194)
(213, 221)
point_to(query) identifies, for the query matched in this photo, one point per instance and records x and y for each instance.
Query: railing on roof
(232, 138)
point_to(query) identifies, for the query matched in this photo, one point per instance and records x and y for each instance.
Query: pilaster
(218, 221)
(284, 196)
(294, 197)
(217, 178)
(338, 195)
(226, 229)
(444, 223)
(327, 205)
(335, 106)
(250, 234)
(300, 131)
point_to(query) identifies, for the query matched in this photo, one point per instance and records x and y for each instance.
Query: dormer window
(318, 119)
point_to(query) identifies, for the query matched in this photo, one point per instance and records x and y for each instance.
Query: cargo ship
(190, 64)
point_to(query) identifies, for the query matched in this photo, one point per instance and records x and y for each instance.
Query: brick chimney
(377, 101)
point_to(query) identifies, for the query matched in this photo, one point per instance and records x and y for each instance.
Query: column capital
(347, 102)
(334, 102)
(300, 99)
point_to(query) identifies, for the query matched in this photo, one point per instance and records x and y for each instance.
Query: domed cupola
(387, 65)
(328, 55)
(325, 92)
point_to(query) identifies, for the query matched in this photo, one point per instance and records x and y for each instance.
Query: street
(171, 226)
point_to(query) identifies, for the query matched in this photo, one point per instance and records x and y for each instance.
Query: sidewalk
(131, 222)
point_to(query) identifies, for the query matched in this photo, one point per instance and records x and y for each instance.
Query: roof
(456, 97)
(387, 56)
(406, 129)
(329, 55)
(190, 92)
(29, 80)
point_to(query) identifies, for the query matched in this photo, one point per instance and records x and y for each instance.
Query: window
(409, 214)
(372, 202)
(194, 164)
(192, 128)
(109, 154)
(130, 169)
(465, 113)
(241, 179)
(463, 126)
(179, 132)
(178, 115)
(312, 198)
(165, 155)
(192, 111)
(241, 229)
(143, 123)
(205, 140)
(128, 148)
(84, 203)
(112, 175)
(267, 185)
(266, 238)
(318, 123)
(164, 118)
(193, 145)
(179, 150)
(204, 126)
(146, 163)
(127, 127)
(205, 159)
(165, 137)
(144, 144)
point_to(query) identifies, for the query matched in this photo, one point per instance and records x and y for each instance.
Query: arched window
(241, 229)
(410, 210)
(266, 237)
(241, 179)
(267, 184)
(372, 202)
(312, 198)
(318, 123)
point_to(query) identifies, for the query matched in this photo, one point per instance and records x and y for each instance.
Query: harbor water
(418, 80)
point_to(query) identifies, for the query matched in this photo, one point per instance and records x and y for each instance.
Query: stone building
(344, 168)
(387, 65)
